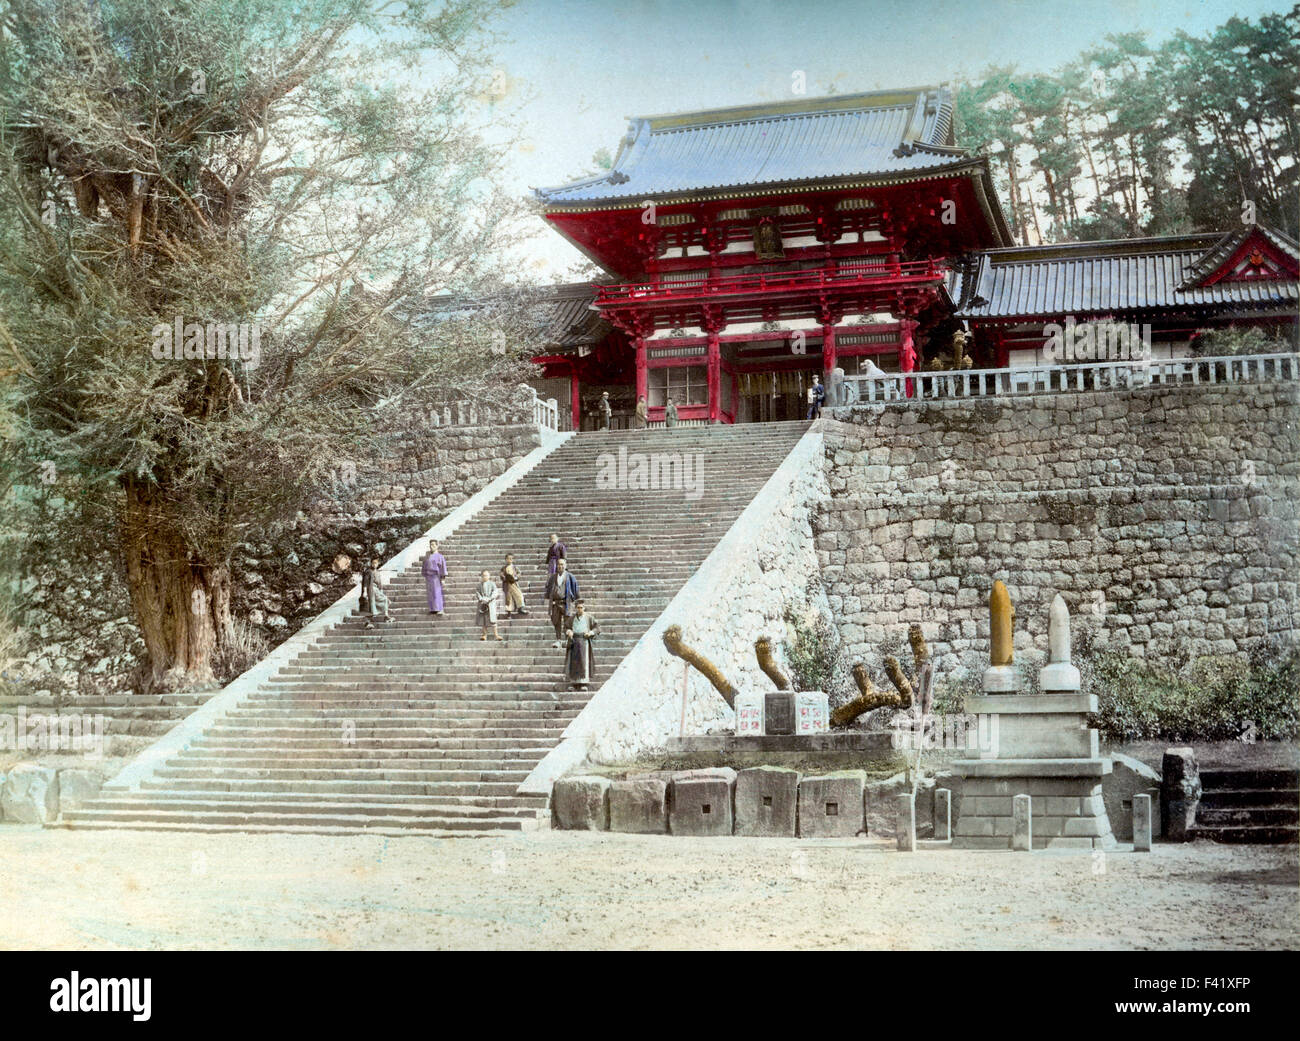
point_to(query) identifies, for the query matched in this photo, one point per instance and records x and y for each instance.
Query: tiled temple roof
(878, 137)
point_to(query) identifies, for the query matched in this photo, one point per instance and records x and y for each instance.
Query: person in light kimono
(487, 604)
(579, 662)
(435, 573)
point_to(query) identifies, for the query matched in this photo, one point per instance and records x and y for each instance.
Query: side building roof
(1166, 273)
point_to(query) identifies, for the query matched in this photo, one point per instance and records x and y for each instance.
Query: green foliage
(1131, 139)
(1207, 698)
(1243, 339)
(242, 162)
(814, 656)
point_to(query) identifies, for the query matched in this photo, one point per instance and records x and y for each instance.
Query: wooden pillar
(714, 377)
(1003, 351)
(828, 352)
(575, 400)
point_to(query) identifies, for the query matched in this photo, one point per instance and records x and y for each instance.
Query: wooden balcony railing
(915, 272)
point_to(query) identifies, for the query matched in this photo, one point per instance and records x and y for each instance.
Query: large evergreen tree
(310, 169)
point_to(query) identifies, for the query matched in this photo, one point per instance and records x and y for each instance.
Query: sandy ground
(142, 890)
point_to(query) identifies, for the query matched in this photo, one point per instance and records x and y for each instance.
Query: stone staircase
(1249, 806)
(420, 726)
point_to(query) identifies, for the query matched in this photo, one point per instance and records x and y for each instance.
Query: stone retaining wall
(1166, 517)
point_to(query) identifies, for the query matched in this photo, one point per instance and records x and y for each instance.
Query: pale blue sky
(577, 68)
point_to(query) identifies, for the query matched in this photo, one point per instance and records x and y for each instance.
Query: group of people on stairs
(574, 628)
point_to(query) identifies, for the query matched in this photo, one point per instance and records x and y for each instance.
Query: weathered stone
(779, 712)
(1022, 825)
(1180, 792)
(76, 786)
(1127, 778)
(1142, 823)
(767, 802)
(639, 805)
(581, 803)
(31, 794)
(942, 814)
(905, 829)
(701, 802)
(830, 805)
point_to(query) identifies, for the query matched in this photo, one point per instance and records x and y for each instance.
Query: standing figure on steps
(514, 596)
(487, 604)
(435, 573)
(605, 409)
(561, 595)
(816, 398)
(579, 661)
(556, 553)
(378, 598)
(670, 413)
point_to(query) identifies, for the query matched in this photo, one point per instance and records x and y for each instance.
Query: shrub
(1209, 698)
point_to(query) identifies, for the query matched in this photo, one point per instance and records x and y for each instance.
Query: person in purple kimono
(435, 573)
(556, 552)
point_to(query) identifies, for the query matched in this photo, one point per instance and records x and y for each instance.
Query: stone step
(465, 761)
(1252, 778)
(522, 803)
(338, 787)
(1247, 797)
(1248, 834)
(443, 726)
(279, 821)
(1253, 815)
(203, 770)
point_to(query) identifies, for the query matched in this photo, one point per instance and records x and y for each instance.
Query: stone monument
(1041, 747)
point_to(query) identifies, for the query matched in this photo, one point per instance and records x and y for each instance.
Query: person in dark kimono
(605, 409)
(670, 414)
(556, 553)
(367, 583)
(561, 595)
(435, 573)
(816, 398)
(579, 662)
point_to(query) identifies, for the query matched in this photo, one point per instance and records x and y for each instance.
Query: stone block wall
(433, 461)
(1166, 517)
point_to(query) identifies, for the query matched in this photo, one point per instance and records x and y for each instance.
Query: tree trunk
(180, 602)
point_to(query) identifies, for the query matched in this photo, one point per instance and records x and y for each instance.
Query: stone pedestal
(1041, 748)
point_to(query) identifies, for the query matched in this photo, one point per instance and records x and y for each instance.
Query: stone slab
(831, 805)
(1022, 823)
(581, 803)
(30, 794)
(851, 741)
(76, 786)
(779, 712)
(942, 814)
(1141, 825)
(700, 805)
(767, 802)
(1009, 704)
(639, 806)
(905, 826)
(1032, 767)
(1128, 778)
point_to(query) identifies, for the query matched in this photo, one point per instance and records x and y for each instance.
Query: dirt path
(110, 890)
